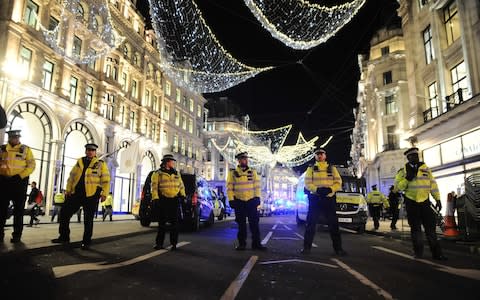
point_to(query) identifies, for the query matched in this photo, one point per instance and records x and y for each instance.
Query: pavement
(124, 225)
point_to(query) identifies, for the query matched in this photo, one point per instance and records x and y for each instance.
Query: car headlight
(363, 206)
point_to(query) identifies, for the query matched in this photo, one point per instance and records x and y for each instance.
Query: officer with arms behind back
(417, 182)
(89, 180)
(167, 187)
(243, 190)
(322, 180)
(376, 200)
(16, 165)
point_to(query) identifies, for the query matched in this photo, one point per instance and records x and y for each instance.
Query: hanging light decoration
(266, 148)
(95, 24)
(300, 24)
(190, 53)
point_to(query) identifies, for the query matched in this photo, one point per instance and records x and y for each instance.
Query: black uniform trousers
(318, 206)
(375, 210)
(167, 212)
(16, 192)
(395, 212)
(420, 213)
(244, 210)
(70, 207)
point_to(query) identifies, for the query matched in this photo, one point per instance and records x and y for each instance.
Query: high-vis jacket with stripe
(420, 187)
(16, 160)
(167, 183)
(321, 175)
(59, 198)
(96, 175)
(108, 201)
(377, 198)
(243, 184)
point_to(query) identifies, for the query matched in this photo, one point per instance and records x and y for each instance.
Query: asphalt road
(207, 267)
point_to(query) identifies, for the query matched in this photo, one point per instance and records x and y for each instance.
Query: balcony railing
(451, 101)
(430, 114)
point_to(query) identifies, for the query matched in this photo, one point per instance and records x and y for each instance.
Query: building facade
(115, 100)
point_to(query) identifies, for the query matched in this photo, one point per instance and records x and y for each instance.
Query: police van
(352, 209)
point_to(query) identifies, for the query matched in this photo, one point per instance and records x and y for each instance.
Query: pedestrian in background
(376, 201)
(58, 201)
(167, 186)
(243, 190)
(88, 182)
(417, 182)
(33, 205)
(394, 202)
(16, 165)
(322, 181)
(107, 207)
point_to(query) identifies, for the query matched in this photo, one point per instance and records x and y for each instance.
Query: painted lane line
(274, 227)
(467, 273)
(265, 240)
(236, 285)
(286, 227)
(62, 271)
(301, 236)
(348, 230)
(286, 238)
(298, 260)
(364, 279)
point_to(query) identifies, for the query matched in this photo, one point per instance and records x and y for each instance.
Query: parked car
(352, 209)
(195, 208)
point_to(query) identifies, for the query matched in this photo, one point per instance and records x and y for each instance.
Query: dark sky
(315, 90)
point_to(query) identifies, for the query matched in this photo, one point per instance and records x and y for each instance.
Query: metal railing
(451, 101)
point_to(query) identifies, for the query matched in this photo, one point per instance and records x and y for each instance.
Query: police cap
(413, 150)
(91, 146)
(320, 150)
(374, 186)
(168, 157)
(14, 133)
(241, 155)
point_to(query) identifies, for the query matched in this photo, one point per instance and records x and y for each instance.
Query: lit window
(166, 112)
(190, 125)
(168, 88)
(31, 13)
(390, 105)
(89, 97)
(387, 77)
(25, 62)
(184, 122)
(47, 75)
(428, 45)
(190, 101)
(73, 89)
(177, 118)
(452, 22)
(459, 80)
(77, 46)
(178, 95)
(432, 101)
(134, 89)
(199, 111)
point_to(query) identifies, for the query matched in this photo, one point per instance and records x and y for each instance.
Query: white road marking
(298, 260)
(236, 285)
(348, 230)
(364, 280)
(467, 273)
(286, 238)
(286, 227)
(274, 227)
(267, 237)
(301, 236)
(62, 271)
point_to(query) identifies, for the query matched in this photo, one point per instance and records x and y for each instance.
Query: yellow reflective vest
(420, 187)
(167, 183)
(96, 175)
(108, 201)
(320, 175)
(243, 184)
(377, 198)
(59, 198)
(16, 160)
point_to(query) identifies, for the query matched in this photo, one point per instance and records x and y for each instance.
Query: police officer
(243, 191)
(322, 180)
(394, 202)
(58, 201)
(167, 187)
(16, 165)
(107, 207)
(89, 181)
(417, 182)
(376, 200)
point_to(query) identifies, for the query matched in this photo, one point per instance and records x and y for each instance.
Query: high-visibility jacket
(167, 183)
(16, 160)
(59, 198)
(96, 175)
(243, 184)
(108, 201)
(321, 175)
(377, 198)
(420, 187)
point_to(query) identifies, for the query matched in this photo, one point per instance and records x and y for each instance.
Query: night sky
(316, 89)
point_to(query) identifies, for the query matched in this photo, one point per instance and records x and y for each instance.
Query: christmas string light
(300, 24)
(190, 53)
(102, 37)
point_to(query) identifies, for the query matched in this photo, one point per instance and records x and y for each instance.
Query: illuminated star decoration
(190, 53)
(266, 148)
(300, 24)
(96, 23)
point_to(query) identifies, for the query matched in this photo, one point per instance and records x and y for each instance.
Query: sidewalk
(39, 236)
(403, 233)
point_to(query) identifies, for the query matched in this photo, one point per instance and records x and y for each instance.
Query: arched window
(80, 12)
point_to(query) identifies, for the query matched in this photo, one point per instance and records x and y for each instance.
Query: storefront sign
(471, 144)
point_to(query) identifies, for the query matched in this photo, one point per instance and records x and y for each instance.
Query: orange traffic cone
(450, 230)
